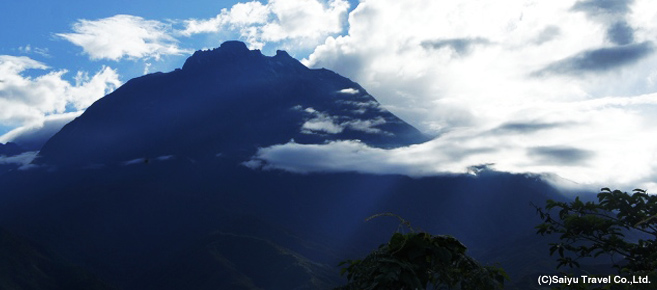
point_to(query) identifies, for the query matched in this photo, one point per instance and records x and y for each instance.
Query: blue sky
(35, 23)
(562, 87)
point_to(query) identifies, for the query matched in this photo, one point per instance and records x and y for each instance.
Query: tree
(620, 225)
(418, 260)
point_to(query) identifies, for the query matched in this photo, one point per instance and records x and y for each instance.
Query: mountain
(10, 149)
(230, 100)
(148, 188)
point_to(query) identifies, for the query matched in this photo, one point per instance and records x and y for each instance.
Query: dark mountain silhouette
(229, 100)
(147, 188)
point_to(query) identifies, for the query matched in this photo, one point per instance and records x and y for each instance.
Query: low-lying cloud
(591, 158)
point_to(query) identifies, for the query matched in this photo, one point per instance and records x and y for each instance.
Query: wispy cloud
(124, 36)
(28, 49)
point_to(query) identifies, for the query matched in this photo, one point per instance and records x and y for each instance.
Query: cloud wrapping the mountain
(304, 22)
(27, 102)
(124, 36)
(620, 155)
(562, 87)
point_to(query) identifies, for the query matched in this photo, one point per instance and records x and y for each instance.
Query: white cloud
(147, 67)
(367, 126)
(349, 91)
(388, 51)
(620, 156)
(320, 123)
(28, 49)
(304, 22)
(89, 89)
(530, 86)
(26, 102)
(324, 123)
(33, 136)
(240, 16)
(331, 157)
(124, 36)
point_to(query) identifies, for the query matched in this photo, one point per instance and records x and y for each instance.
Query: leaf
(609, 226)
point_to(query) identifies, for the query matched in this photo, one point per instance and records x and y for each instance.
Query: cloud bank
(558, 87)
(610, 157)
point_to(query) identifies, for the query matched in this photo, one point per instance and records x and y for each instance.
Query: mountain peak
(282, 53)
(229, 52)
(234, 58)
(234, 46)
